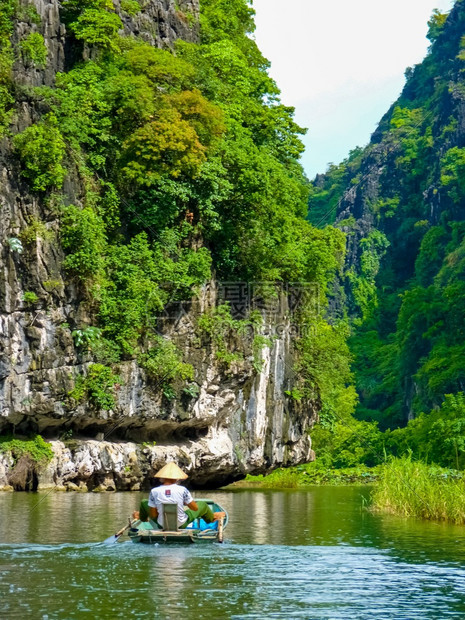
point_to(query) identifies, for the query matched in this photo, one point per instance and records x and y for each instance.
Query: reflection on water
(290, 554)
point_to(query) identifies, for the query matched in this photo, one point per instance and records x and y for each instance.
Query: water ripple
(232, 581)
(307, 555)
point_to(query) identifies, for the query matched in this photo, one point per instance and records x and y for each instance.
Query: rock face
(238, 420)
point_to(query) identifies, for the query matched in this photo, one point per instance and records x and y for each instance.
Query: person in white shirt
(170, 492)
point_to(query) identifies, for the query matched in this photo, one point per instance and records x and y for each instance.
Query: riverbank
(311, 474)
(401, 487)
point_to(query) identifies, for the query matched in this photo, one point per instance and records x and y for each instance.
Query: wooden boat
(196, 532)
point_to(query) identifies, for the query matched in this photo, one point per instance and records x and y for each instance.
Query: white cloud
(340, 63)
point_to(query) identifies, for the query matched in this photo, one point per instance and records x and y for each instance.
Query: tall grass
(411, 488)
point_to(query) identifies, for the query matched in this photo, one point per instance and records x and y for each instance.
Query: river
(288, 554)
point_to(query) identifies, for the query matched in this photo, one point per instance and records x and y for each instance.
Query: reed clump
(414, 489)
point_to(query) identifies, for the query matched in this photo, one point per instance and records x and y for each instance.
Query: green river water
(288, 554)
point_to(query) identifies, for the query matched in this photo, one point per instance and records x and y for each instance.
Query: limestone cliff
(237, 419)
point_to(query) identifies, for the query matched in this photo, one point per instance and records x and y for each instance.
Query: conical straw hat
(172, 472)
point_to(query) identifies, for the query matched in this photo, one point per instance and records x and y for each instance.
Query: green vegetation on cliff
(6, 63)
(27, 458)
(188, 167)
(403, 288)
(36, 449)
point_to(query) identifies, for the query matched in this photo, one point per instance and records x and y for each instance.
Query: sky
(341, 64)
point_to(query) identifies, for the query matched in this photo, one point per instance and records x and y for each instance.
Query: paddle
(112, 539)
(220, 529)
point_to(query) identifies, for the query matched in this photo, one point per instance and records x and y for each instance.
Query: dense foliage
(188, 163)
(96, 389)
(35, 448)
(6, 62)
(401, 202)
(327, 189)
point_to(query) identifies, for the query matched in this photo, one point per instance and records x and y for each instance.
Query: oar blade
(111, 539)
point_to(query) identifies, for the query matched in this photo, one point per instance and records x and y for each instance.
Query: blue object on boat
(201, 524)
